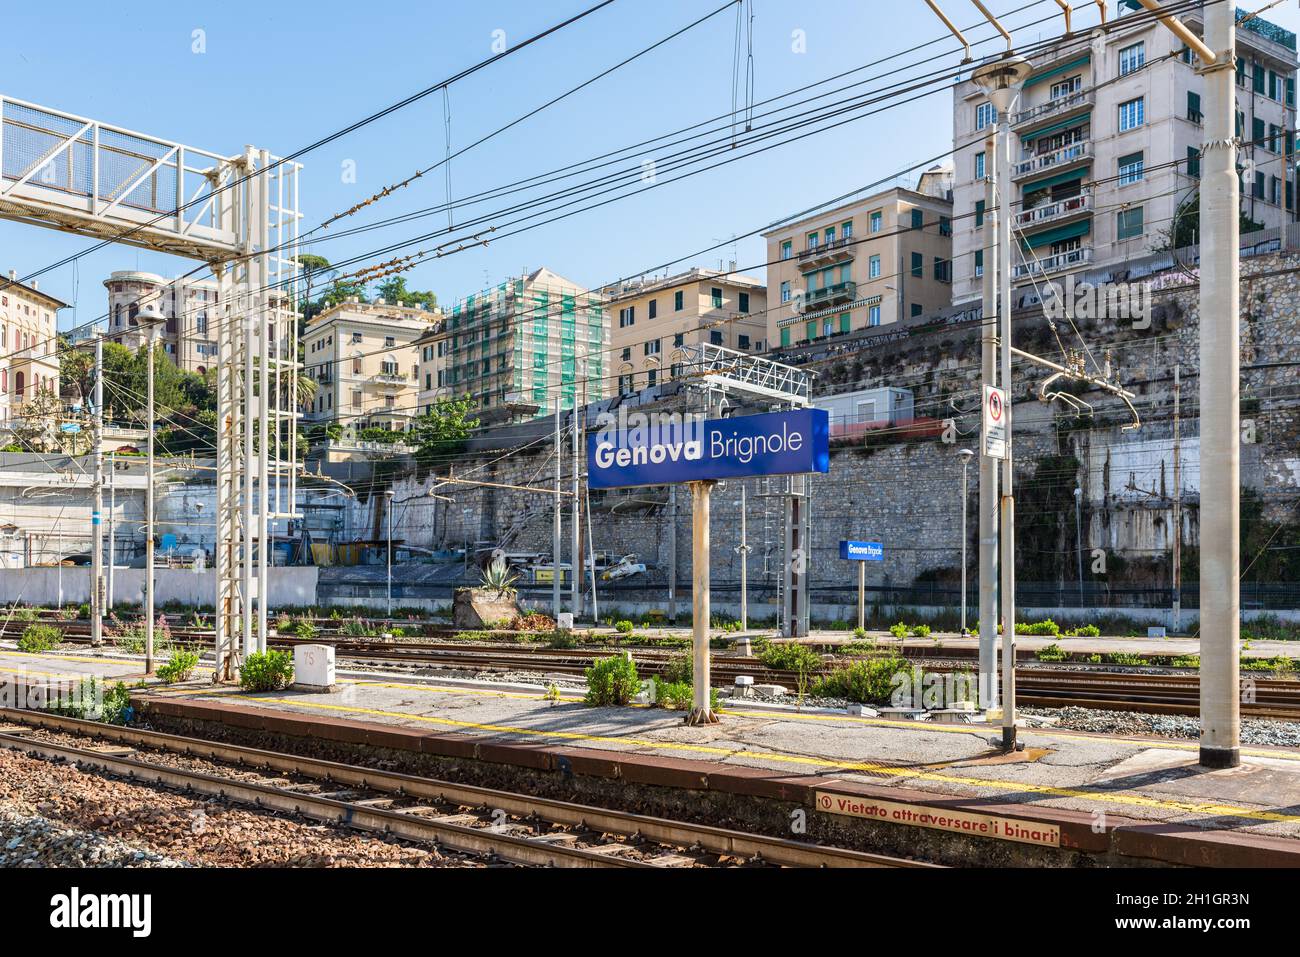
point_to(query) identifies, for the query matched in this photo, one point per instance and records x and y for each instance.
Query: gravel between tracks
(1256, 731)
(53, 814)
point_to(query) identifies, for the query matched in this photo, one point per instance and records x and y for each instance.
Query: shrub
(356, 628)
(180, 666)
(1052, 652)
(680, 695)
(899, 630)
(37, 638)
(612, 681)
(860, 634)
(1084, 631)
(531, 622)
(1125, 658)
(679, 669)
(302, 628)
(1187, 661)
(623, 627)
(562, 639)
(864, 682)
(266, 671)
(22, 614)
(790, 656)
(114, 706)
(920, 631)
(1044, 627)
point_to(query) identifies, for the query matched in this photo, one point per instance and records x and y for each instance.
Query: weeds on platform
(612, 681)
(38, 638)
(266, 671)
(180, 666)
(864, 682)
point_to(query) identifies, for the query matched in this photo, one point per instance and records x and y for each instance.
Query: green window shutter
(1257, 130)
(979, 260)
(918, 265)
(1193, 106)
(979, 213)
(811, 330)
(785, 336)
(1061, 233)
(844, 322)
(1193, 161)
(918, 219)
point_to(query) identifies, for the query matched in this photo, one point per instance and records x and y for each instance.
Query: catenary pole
(96, 515)
(988, 479)
(149, 516)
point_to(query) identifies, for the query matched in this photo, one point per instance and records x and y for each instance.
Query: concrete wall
(49, 586)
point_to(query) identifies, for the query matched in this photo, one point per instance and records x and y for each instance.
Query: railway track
(1149, 693)
(514, 828)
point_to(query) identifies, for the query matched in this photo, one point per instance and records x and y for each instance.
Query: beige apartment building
(652, 322)
(431, 374)
(1106, 143)
(366, 365)
(867, 263)
(29, 343)
(189, 306)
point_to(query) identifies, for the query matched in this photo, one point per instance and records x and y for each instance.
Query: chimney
(36, 284)
(13, 275)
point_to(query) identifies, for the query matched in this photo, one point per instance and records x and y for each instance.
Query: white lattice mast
(256, 402)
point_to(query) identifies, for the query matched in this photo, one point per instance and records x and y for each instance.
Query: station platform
(904, 785)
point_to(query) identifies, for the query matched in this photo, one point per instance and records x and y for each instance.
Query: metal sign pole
(862, 595)
(702, 712)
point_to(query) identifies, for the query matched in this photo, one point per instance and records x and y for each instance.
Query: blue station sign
(685, 450)
(862, 551)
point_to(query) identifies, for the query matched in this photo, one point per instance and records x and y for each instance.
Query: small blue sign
(683, 449)
(862, 551)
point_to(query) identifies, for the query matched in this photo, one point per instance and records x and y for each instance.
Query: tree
(76, 368)
(1185, 230)
(316, 273)
(441, 431)
(36, 426)
(393, 289)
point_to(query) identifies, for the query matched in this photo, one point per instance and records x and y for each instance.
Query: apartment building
(364, 360)
(431, 374)
(516, 347)
(189, 306)
(1106, 142)
(654, 321)
(869, 262)
(29, 359)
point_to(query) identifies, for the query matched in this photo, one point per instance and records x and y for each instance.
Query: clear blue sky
(280, 75)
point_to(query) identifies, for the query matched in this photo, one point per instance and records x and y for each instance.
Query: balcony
(1057, 159)
(837, 250)
(830, 295)
(1053, 212)
(1056, 109)
(389, 378)
(1033, 267)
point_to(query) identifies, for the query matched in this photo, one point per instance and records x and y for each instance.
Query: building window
(717, 298)
(846, 230)
(830, 235)
(1132, 58)
(1130, 169)
(390, 341)
(785, 337)
(813, 239)
(742, 342)
(945, 226)
(785, 291)
(979, 263)
(916, 309)
(979, 214)
(876, 221)
(1193, 161)
(810, 329)
(985, 115)
(979, 165)
(715, 337)
(1129, 223)
(627, 353)
(624, 384)
(626, 316)
(942, 269)
(918, 219)
(679, 300)
(787, 250)
(744, 302)
(1132, 114)
(844, 322)
(873, 316)
(918, 265)
(651, 347)
(356, 337)
(1194, 107)
(679, 338)
(653, 308)
(1067, 87)
(873, 267)
(651, 378)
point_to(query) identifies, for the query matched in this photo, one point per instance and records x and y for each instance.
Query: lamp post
(1078, 537)
(388, 507)
(1002, 80)
(965, 455)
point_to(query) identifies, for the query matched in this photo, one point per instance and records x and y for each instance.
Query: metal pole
(1078, 537)
(555, 531)
(575, 533)
(591, 550)
(96, 533)
(744, 563)
(1178, 507)
(988, 497)
(388, 507)
(672, 554)
(702, 713)
(149, 517)
(1008, 528)
(1220, 404)
(112, 553)
(965, 469)
(862, 595)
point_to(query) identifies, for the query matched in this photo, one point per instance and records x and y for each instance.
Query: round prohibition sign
(995, 406)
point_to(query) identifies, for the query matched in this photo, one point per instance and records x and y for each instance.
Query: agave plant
(497, 577)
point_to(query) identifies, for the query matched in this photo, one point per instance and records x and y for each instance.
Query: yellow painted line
(61, 657)
(976, 730)
(1050, 791)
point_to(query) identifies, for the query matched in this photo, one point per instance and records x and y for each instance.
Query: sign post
(669, 449)
(994, 426)
(862, 552)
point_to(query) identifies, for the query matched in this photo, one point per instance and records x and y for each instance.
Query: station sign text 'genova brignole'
(670, 449)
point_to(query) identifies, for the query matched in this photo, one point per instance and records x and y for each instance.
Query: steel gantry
(240, 216)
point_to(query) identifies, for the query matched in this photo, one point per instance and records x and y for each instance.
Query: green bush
(680, 695)
(612, 681)
(356, 628)
(1045, 627)
(266, 671)
(114, 708)
(865, 682)
(561, 639)
(40, 638)
(180, 666)
(790, 656)
(1084, 631)
(1187, 661)
(679, 669)
(623, 627)
(1052, 652)
(899, 630)
(920, 631)
(302, 628)
(860, 633)
(1125, 658)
